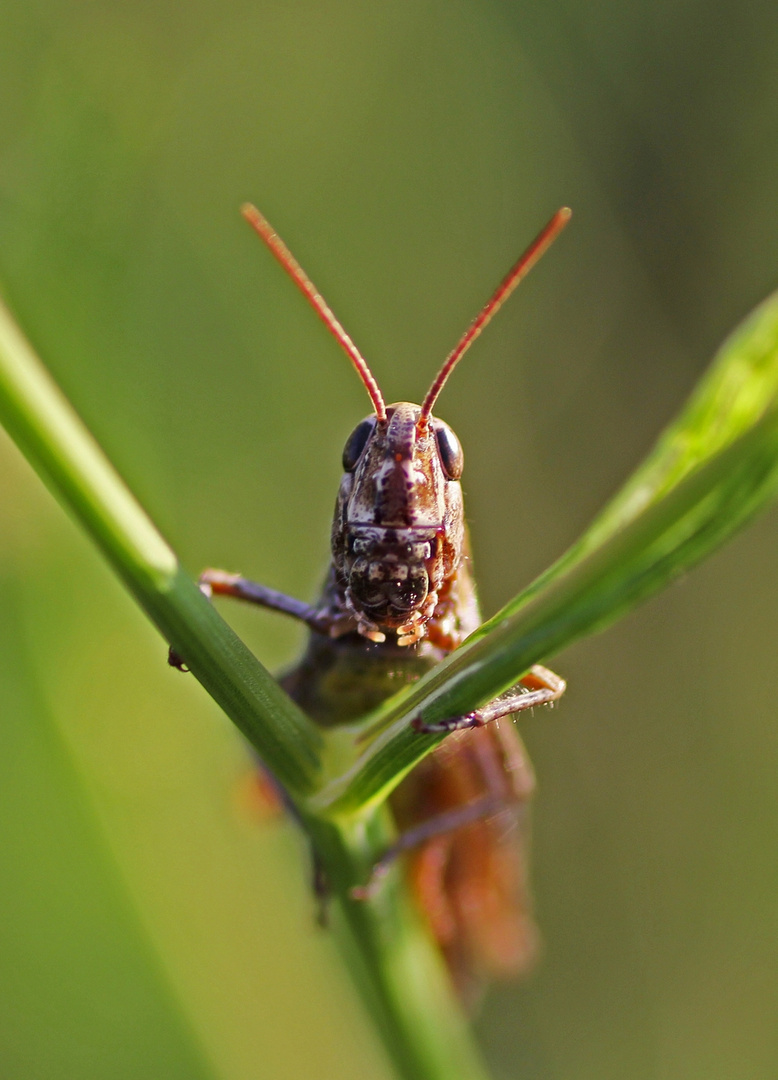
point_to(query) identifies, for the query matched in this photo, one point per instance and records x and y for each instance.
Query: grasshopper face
(398, 530)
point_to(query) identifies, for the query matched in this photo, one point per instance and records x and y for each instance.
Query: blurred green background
(149, 924)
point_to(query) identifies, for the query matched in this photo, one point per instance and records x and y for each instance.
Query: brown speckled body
(399, 596)
(399, 518)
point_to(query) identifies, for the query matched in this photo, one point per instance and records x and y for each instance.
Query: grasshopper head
(398, 530)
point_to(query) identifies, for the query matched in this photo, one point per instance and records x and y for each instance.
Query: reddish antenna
(266, 232)
(501, 294)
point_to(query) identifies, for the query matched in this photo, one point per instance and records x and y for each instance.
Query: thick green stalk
(391, 957)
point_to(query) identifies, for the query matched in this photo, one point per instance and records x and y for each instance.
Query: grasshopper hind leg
(433, 828)
(463, 822)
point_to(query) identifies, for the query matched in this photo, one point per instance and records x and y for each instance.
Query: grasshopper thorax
(398, 530)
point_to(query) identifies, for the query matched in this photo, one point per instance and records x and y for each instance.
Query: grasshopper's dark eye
(357, 441)
(451, 457)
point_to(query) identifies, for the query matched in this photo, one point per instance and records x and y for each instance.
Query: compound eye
(451, 457)
(356, 443)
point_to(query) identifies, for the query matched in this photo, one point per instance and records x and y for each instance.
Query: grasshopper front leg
(538, 687)
(222, 583)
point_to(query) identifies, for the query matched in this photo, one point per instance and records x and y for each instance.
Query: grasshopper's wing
(472, 881)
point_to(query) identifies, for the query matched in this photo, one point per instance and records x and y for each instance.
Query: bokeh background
(150, 923)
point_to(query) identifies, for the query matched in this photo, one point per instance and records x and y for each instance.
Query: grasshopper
(399, 595)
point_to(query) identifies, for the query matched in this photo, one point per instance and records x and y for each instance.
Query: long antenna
(501, 294)
(266, 232)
